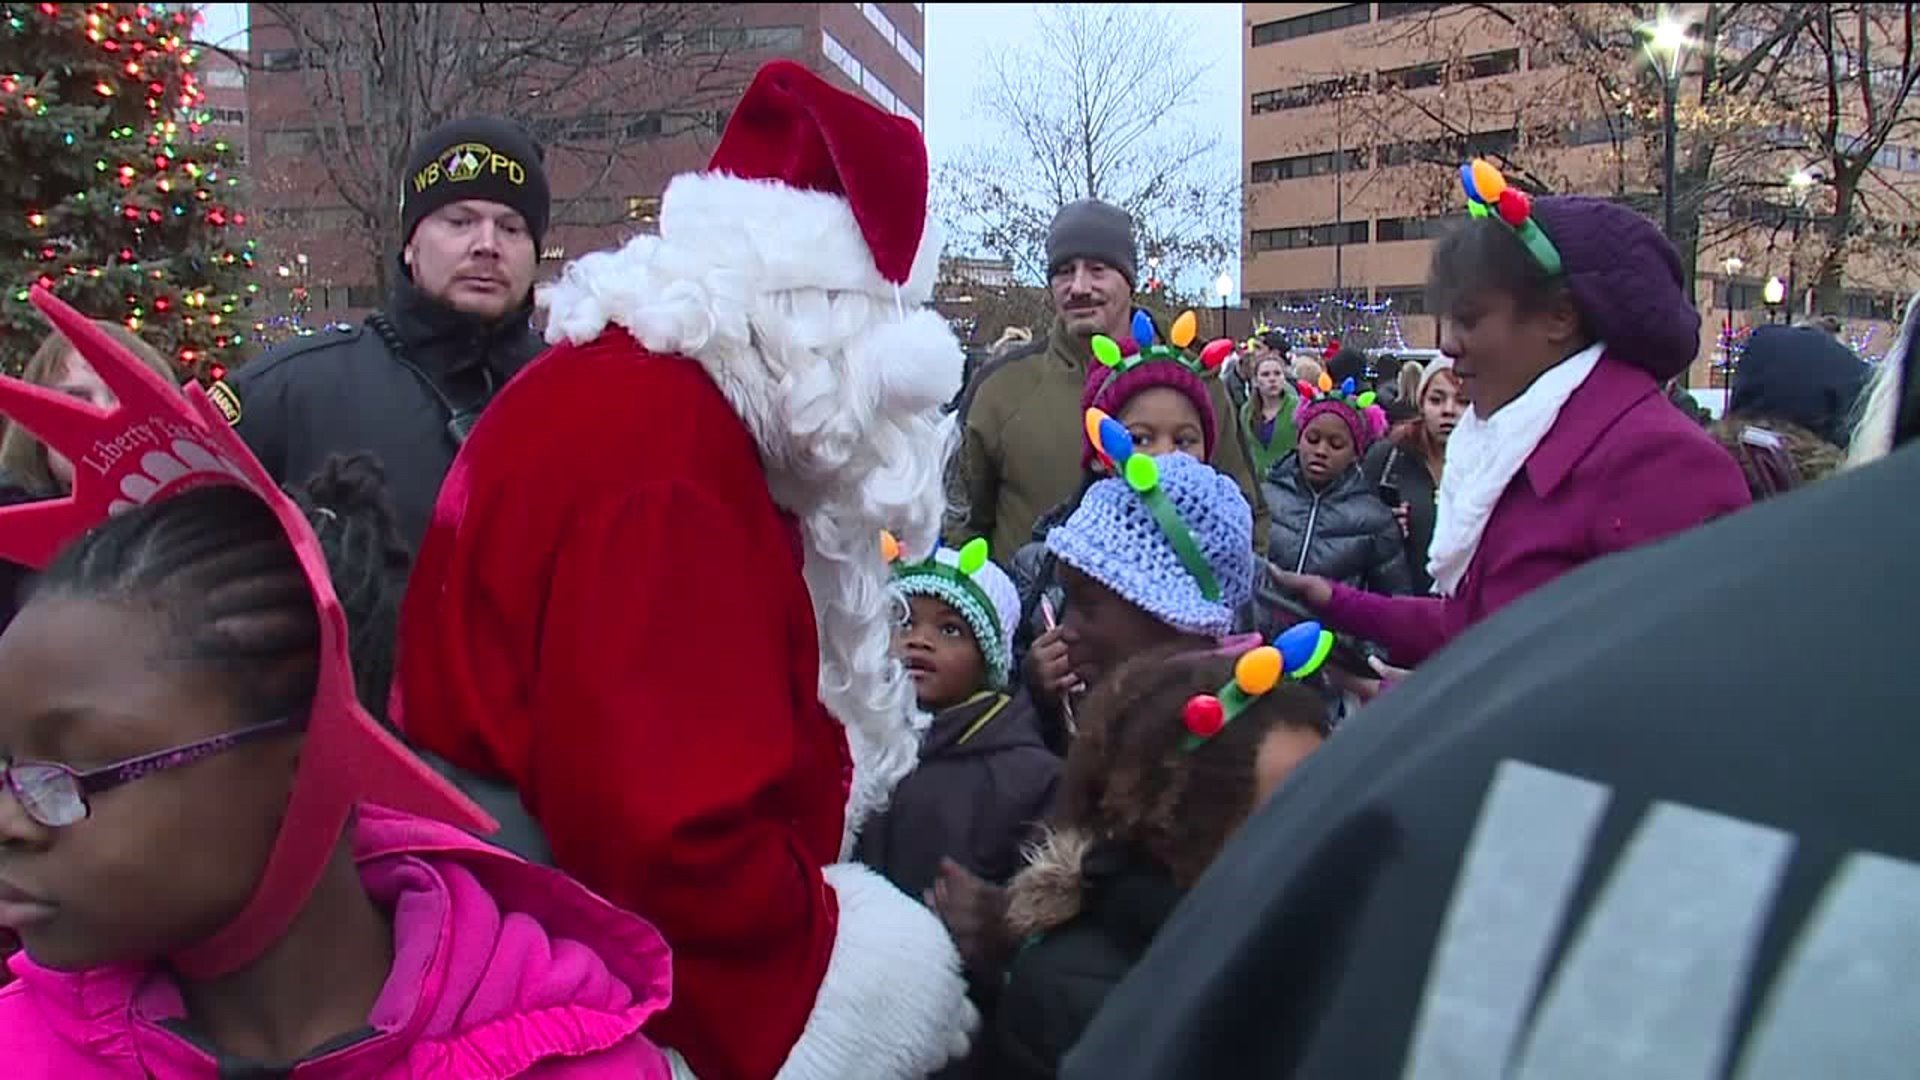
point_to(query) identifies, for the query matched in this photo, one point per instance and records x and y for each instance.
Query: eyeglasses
(56, 796)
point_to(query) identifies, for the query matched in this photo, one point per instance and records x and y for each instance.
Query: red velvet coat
(608, 611)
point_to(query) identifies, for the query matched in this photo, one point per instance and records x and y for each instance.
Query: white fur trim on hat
(799, 239)
(893, 1004)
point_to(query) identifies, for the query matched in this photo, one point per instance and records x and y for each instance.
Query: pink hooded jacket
(501, 969)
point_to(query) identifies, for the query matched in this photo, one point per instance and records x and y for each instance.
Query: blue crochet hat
(1116, 538)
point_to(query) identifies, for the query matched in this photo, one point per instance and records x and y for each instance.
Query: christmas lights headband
(1344, 393)
(973, 556)
(1296, 654)
(1113, 444)
(1489, 196)
(1108, 351)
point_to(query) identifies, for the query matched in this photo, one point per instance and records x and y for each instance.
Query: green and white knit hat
(969, 583)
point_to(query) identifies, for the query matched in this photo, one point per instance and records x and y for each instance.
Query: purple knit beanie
(1109, 391)
(1626, 281)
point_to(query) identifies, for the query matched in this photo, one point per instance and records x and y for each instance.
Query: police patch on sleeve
(226, 401)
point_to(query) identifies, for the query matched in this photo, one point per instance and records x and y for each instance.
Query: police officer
(410, 382)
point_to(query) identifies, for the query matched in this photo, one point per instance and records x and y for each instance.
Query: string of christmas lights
(131, 209)
(1732, 346)
(1333, 318)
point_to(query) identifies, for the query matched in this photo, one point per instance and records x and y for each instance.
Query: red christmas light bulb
(1204, 715)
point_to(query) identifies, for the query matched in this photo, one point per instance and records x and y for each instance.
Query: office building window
(1415, 77)
(1306, 94)
(1295, 168)
(1487, 65)
(893, 35)
(1869, 305)
(1319, 22)
(880, 22)
(280, 60)
(839, 56)
(1309, 236)
(878, 90)
(1410, 300)
(1390, 230)
(287, 143)
(1401, 11)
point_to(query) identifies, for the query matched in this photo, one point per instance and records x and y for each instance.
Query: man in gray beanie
(1023, 432)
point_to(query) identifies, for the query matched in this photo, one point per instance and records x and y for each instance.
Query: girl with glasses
(217, 862)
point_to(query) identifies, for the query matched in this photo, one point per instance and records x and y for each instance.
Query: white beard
(843, 392)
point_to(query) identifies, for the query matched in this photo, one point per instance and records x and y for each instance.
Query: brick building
(1342, 200)
(624, 131)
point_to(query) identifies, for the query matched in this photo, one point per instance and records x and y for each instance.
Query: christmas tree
(114, 197)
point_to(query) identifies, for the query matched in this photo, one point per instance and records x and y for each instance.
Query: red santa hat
(822, 188)
(181, 442)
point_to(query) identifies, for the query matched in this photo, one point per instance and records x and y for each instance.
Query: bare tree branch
(1077, 119)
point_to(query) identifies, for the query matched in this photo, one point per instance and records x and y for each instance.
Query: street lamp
(1774, 292)
(1224, 286)
(1800, 187)
(1667, 42)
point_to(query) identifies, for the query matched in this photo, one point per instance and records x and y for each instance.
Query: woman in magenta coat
(1562, 328)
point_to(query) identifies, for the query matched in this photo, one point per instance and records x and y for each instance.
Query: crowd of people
(712, 682)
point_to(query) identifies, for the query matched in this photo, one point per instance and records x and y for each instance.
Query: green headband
(972, 557)
(1489, 196)
(1296, 654)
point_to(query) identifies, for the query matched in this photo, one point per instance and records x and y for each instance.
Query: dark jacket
(983, 782)
(1345, 533)
(340, 393)
(1389, 462)
(1022, 432)
(13, 576)
(1089, 910)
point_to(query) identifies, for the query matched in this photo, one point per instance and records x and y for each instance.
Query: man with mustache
(1021, 454)
(408, 383)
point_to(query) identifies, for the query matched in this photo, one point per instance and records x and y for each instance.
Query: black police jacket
(348, 392)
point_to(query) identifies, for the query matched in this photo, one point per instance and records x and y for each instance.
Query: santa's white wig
(840, 376)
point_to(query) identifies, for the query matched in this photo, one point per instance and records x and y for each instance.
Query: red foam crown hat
(159, 442)
(794, 129)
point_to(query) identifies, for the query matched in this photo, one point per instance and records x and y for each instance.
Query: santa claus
(652, 598)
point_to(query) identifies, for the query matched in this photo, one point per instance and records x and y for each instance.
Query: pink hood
(501, 969)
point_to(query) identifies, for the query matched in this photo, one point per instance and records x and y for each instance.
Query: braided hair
(1129, 778)
(217, 563)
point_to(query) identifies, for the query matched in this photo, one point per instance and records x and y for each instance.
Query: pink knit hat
(1366, 420)
(1126, 370)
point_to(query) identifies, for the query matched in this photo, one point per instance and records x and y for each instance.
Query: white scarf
(1483, 457)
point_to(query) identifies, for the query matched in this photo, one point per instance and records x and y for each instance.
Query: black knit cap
(476, 157)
